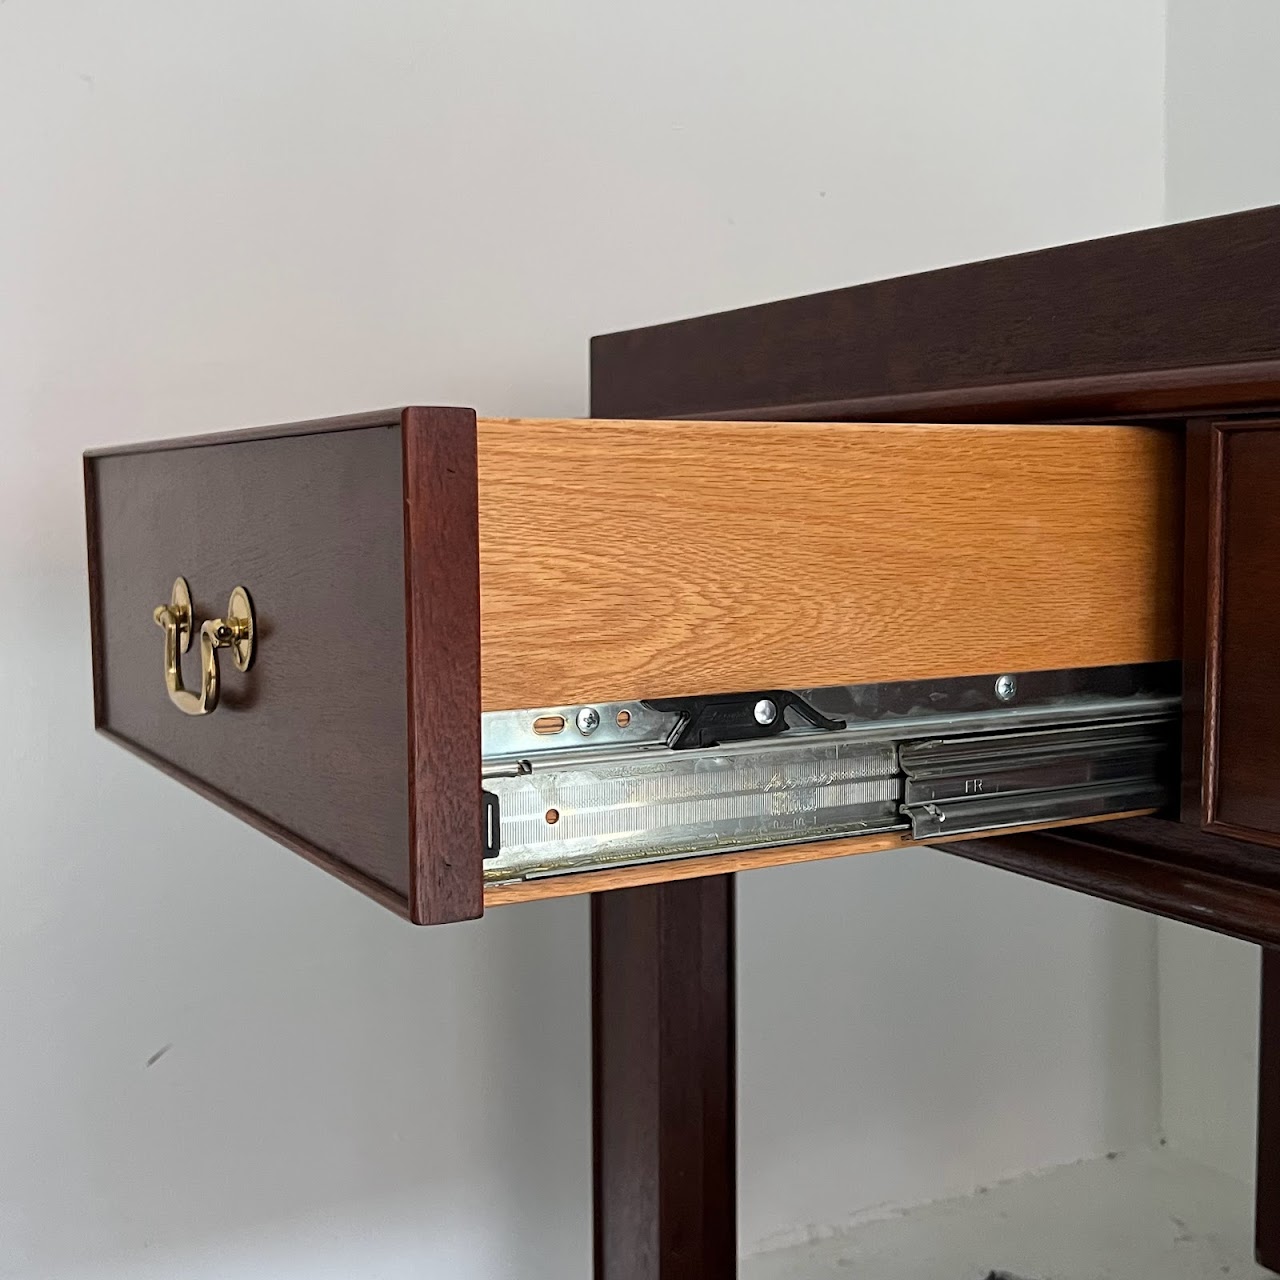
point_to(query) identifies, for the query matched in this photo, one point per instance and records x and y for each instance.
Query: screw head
(1006, 688)
(588, 721)
(766, 711)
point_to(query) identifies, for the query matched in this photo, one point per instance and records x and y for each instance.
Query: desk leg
(1267, 1220)
(662, 959)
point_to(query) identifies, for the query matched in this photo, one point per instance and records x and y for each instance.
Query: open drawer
(460, 662)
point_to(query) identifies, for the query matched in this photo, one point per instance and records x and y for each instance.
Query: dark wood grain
(1166, 320)
(1184, 845)
(664, 1098)
(442, 608)
(1207, 886)
(1217, 540)
(1242, 730)
(320, 857)
(1211, 481)
(313, 744)
(1168, 324)
(244, 435)
(1195, 610)
(1267, 1219)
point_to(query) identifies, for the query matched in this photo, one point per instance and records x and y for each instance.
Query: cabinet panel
(1242, 769)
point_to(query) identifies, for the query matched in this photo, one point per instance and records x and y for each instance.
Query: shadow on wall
(913, 1025)
(214, 1052)
(216, 1056)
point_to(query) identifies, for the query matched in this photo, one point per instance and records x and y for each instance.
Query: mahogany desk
(1177, 326)
(431, 592)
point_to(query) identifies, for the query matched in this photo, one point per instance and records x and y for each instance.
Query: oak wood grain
(615, 560)
(658, 559)
(1174, 321)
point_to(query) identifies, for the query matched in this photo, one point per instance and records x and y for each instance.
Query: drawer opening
(652, 781)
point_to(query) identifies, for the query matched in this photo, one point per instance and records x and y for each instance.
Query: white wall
(1222, 104)
(916, 1026)
(237, 213)
(1209, 1046)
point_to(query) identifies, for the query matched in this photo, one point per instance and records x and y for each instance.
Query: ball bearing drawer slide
(589, 787)
(963, 785)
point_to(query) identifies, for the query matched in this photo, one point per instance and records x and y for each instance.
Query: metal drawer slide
(588, 787)
(995, 779)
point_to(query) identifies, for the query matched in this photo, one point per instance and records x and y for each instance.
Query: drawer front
(327, 742)
(410, 571)
(1242, 706)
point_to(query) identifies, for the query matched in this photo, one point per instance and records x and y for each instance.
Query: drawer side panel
(623, 560)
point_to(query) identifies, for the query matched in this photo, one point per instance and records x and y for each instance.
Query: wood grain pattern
(1211, 481)
(360, 640)
(1156, 865)
(1168, 322)
(442, 612)
(1162, 320)
(245, 435)
(1181, 845)
(1088, 861)
(631, 560)
(801, 559)
(663, 1013)
(1242, 717)
(565, 886)
(325, 759)
(1243, 732)
(317, 855)
(1196, 579)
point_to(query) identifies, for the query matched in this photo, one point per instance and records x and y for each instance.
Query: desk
(1178, 327)
(414, 578)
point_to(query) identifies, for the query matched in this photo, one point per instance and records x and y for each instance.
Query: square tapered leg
(664, 1067)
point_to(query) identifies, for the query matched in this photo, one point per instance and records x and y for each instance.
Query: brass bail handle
(235, 632)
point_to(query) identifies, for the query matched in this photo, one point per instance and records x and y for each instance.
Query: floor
(1148, 1215)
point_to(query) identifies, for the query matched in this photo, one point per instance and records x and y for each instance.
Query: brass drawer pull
(235, 632)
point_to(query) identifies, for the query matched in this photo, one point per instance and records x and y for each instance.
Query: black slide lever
(736, 717)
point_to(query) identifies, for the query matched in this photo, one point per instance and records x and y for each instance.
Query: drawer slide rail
(605, 785)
